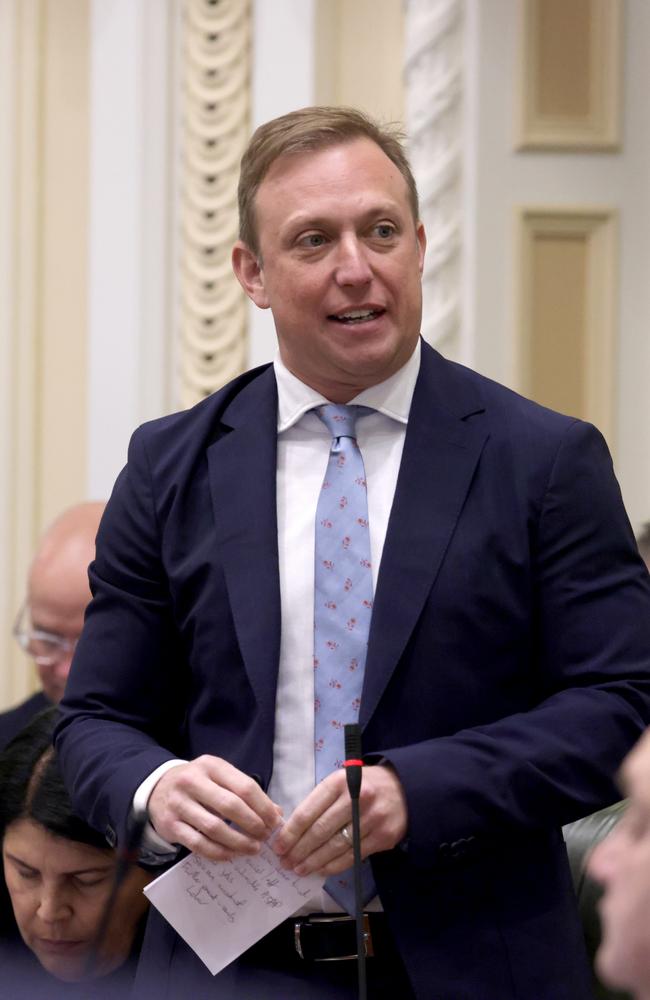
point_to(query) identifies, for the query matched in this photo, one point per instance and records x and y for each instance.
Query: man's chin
(54, 694)
(372, 363)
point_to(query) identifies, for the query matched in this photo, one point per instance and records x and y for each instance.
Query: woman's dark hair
(31, 784)
(31, 787)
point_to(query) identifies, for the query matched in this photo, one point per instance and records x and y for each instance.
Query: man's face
(621, 863)
(58, 596)
(340, 266)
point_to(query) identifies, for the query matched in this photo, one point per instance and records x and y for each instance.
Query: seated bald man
(50, 620)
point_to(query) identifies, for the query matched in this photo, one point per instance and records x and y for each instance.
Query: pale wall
(506, 179)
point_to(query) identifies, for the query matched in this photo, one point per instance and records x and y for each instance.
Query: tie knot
(340, 419)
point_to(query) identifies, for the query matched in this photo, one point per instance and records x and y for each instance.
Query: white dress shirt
(303, 451)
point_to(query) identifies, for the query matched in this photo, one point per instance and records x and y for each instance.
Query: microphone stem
(126, 857)
(358, 896)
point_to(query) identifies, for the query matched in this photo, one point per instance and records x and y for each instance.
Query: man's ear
(250, 274)
(422, 245)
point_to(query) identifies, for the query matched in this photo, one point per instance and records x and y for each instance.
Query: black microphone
(353, 761)
(353, 765)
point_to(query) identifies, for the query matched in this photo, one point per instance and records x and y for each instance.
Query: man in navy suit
(508, 657)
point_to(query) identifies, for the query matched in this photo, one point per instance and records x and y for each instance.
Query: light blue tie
(342, 608)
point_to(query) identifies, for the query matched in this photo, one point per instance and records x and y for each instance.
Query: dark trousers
(272, 970)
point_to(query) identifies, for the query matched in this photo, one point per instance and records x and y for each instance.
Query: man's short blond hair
(312, 129)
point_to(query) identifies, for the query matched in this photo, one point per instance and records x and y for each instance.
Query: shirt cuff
(154, 849)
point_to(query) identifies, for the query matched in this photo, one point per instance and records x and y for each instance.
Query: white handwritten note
(222, 908)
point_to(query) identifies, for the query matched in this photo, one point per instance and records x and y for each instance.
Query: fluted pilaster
(215, 96)
(434, 102)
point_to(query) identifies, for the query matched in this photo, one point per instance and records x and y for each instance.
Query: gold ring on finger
(346, 833)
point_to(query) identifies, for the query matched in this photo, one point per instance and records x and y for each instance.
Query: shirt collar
(391, 397)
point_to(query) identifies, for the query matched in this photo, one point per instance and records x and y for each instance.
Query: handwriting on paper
(221, 884)
(222, 908)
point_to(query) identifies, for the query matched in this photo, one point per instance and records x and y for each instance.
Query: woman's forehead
(37, 847)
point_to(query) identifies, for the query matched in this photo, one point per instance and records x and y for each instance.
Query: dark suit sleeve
(590, 663)
(126, 678)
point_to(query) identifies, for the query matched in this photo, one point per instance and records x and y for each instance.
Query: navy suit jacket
(508, 667)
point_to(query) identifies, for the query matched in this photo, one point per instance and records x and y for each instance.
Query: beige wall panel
(567, 292)
(44, 462)
(360, 55)
(22, 472)
(563, 46)
(557, 345)
(570, 57)
(63, 326)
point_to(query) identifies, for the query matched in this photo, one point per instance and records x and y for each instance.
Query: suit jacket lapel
(242, 474)
(440, 454)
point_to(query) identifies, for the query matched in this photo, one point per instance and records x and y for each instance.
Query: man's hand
(193, 803)
(311, 840)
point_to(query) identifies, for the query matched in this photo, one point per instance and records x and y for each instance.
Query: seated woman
(59, 877)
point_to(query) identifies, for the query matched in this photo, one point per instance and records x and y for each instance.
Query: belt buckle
(336, 918)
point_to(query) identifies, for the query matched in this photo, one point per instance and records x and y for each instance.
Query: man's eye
(384, 230)
(312, 240)
(44, 647)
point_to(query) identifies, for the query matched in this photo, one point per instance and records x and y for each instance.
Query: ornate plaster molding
(434, 99)
(215, 111)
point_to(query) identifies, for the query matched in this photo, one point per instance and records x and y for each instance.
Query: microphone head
(352, 741)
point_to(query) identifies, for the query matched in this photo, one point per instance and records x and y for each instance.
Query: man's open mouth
(353, 316)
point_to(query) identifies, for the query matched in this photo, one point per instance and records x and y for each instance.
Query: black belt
(325, 937)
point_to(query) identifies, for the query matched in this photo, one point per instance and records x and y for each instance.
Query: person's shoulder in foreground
(621, 863)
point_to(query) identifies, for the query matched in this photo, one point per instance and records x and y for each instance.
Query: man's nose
(603, 860)
(61, 668)
(352, 266)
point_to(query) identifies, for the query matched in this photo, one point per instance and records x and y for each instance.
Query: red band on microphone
(352, 763)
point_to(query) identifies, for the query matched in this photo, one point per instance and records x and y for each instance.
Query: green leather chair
(581, 837)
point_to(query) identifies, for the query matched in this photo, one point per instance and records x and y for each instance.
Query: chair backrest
(581, 837)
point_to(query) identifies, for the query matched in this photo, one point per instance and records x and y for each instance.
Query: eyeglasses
(45, 648)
